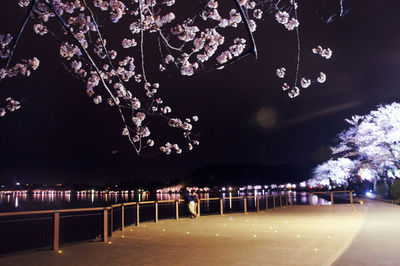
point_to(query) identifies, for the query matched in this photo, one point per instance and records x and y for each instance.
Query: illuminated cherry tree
(369, 149)
(114, 70)
(333, 172)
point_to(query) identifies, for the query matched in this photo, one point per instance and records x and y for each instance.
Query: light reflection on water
(13, 201)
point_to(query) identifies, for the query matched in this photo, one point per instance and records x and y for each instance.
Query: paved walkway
(378, 240)
(301, 235)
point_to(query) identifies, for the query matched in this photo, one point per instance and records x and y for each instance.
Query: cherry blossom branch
(341, 8)
(69, 30)
(195, 44)
(298, 50)
(141, 40)
(22, 28)
(102, 41)
(249, 32)
(168, 44)
(230, 62)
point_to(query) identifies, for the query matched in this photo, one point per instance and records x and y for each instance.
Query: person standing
(187, 197)
(193, 203)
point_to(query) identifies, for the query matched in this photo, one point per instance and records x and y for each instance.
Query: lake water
(47, 200)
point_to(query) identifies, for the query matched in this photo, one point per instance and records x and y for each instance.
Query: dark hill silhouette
(249, 174)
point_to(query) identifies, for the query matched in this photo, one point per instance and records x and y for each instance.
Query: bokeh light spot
(266, 117)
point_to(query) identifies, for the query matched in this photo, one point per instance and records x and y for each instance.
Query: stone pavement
(300, 235)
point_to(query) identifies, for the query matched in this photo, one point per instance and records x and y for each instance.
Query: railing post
(245, 205)
(351, 197)
(177, 209)
(112, 219)
(56, 239)
(273, 199)
(258, 204)
(105, 225)
(280, 200)
(156, 210)
(310, 198)
(266, 202)
(332, 198)
(137, 214)
(287, 199)
(122, 217)
(221, 206)
(292, 199)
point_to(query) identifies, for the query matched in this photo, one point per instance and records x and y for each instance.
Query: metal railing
(395, 202)
(380, 198)
(99, 223)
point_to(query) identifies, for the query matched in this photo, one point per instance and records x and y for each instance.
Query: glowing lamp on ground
(369, 194)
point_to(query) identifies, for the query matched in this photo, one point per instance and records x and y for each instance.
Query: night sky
(60, 136)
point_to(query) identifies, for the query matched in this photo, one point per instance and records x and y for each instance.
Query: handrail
(25, 213)
(335, 191)
(146, 202)
(209, 199)
(4, 214)
(233, 197)
(165, 201)
(396, 202)
(130, 203)
(84, 209)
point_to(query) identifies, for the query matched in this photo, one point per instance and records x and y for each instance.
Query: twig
(298, 50)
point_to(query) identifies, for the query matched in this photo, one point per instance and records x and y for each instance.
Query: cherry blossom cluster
(24, 68)
(280, 72)
(5, 41)
(304, 82)
(24, 3)
(284, 18)
(194, 46)
(11, 106)
(326, 53)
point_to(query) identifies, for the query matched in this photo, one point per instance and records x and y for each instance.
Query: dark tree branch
(22, 28)
(70, 32)
(246, 21)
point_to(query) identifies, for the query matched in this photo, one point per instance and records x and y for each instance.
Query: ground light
(369, 194)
